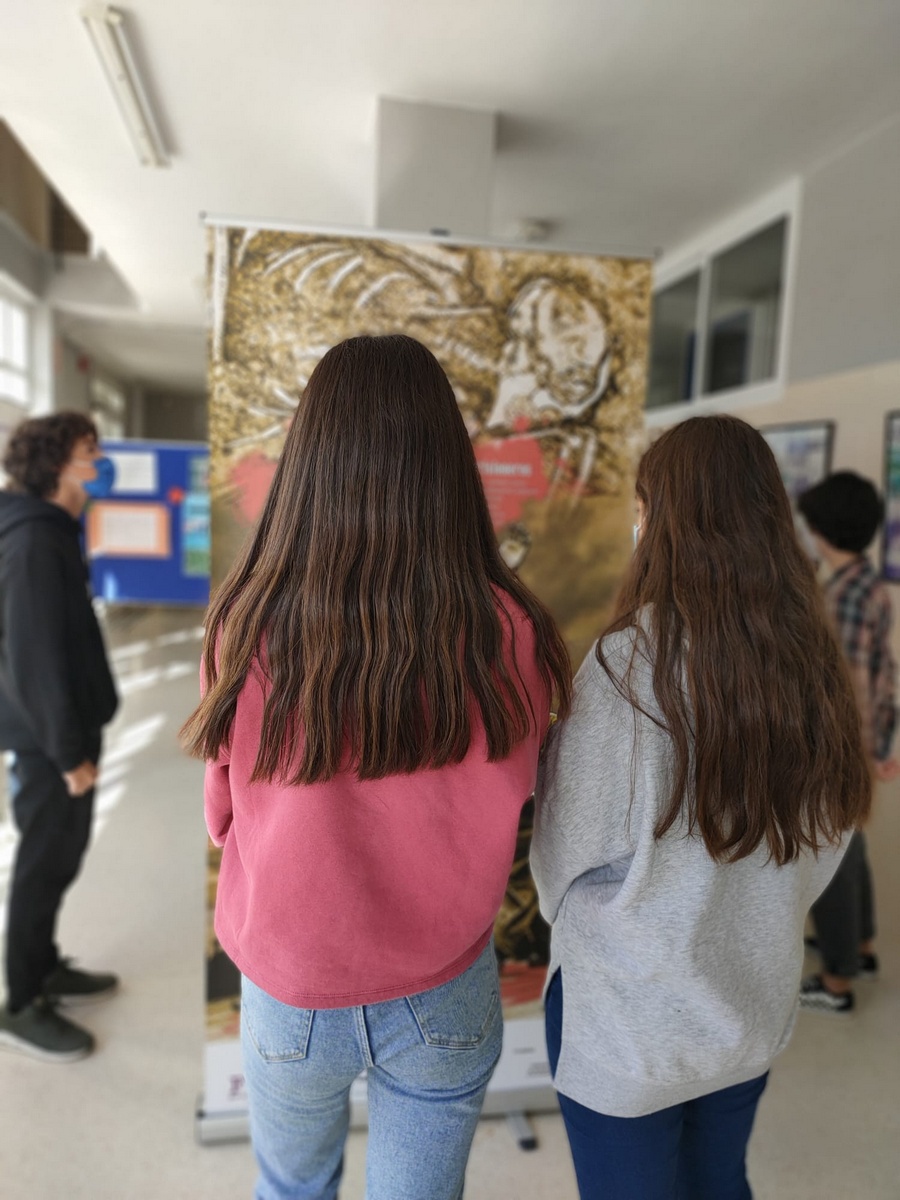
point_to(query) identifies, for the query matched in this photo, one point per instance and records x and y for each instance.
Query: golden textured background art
(546, 353)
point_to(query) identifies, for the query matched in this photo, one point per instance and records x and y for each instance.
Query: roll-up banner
(546, 352)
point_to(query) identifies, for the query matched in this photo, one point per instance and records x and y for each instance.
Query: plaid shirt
(860, 608)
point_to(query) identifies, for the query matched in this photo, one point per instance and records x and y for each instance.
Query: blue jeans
(428, 1060)
(691, 1151)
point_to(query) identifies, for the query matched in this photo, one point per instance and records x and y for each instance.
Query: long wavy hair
(747, 673)
(368, 594)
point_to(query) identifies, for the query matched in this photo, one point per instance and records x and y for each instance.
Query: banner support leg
(521, 1129)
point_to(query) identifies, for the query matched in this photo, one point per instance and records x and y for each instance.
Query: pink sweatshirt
(349, 892)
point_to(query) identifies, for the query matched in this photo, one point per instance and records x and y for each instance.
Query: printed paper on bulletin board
(137, 472)
(124, 530)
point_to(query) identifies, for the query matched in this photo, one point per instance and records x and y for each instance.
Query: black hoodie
(56, 689)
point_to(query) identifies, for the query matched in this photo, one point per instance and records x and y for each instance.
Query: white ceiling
(626, 123)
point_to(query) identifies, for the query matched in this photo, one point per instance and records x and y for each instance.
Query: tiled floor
(119, 1126)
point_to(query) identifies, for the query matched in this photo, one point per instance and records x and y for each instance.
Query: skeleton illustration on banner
(546, 354)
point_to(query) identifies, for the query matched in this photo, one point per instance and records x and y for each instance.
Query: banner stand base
(520, 1127)
(211, 1128)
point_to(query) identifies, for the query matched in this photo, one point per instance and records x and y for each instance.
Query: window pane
(109, 425)
(13, 386)
(745, 311)
(106, 395)
(672, 340)
(18, 340)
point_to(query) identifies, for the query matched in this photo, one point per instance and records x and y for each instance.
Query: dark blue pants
(691, 1151)
(54, 830)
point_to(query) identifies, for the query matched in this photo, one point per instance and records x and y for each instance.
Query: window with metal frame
(721, 305)
(15, 352)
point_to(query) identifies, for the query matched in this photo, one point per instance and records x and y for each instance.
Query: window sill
(735, 400)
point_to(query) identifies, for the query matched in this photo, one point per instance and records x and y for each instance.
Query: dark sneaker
(868, 963)
(40, 1032)
(816, 996)
(67, 985)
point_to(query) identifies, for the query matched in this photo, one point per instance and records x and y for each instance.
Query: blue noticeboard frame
(148, 543)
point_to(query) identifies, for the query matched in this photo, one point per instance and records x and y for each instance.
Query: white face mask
(82, 466)
(80, 470)
(640, 511)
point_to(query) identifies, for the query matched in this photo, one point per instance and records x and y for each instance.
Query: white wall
(71, 378)
(847, 299)
(168, 416)
(857, 401)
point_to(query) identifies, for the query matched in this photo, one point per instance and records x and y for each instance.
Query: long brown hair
(367, 593)
(747, 674)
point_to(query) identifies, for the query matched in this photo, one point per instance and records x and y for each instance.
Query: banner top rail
(450, 240)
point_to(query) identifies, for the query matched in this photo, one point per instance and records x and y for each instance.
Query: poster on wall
(149, 541)
(546, 352)
(891, 559)
(803, 453)
(196, 546)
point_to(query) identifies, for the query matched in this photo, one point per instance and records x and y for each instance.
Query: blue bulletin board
(149, 542)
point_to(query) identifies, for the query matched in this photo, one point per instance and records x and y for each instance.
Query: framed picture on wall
(891, 558)
(803, 452)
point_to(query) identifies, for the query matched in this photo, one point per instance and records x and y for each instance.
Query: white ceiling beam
(434, 168)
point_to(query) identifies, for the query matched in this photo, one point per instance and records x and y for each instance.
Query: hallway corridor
(120, 1125)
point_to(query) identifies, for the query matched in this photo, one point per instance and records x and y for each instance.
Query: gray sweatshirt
(680, 974)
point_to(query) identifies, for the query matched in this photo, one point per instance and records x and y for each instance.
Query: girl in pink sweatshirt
(378, 685)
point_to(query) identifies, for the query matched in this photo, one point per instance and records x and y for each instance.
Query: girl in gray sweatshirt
(689, 811)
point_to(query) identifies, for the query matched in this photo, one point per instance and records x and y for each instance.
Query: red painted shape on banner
(251, 478)
(512, 472)
(175, 495)
(521, 983)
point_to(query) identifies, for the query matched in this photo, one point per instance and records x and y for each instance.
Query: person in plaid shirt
(843, 514)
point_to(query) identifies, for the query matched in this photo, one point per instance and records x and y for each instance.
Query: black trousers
(55, 829)
(844, 915)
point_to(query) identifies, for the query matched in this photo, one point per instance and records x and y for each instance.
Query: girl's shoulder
(623, 650)
(623, 669)
(515, 622)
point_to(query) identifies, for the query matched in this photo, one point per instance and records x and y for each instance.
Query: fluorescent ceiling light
(107, 29)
